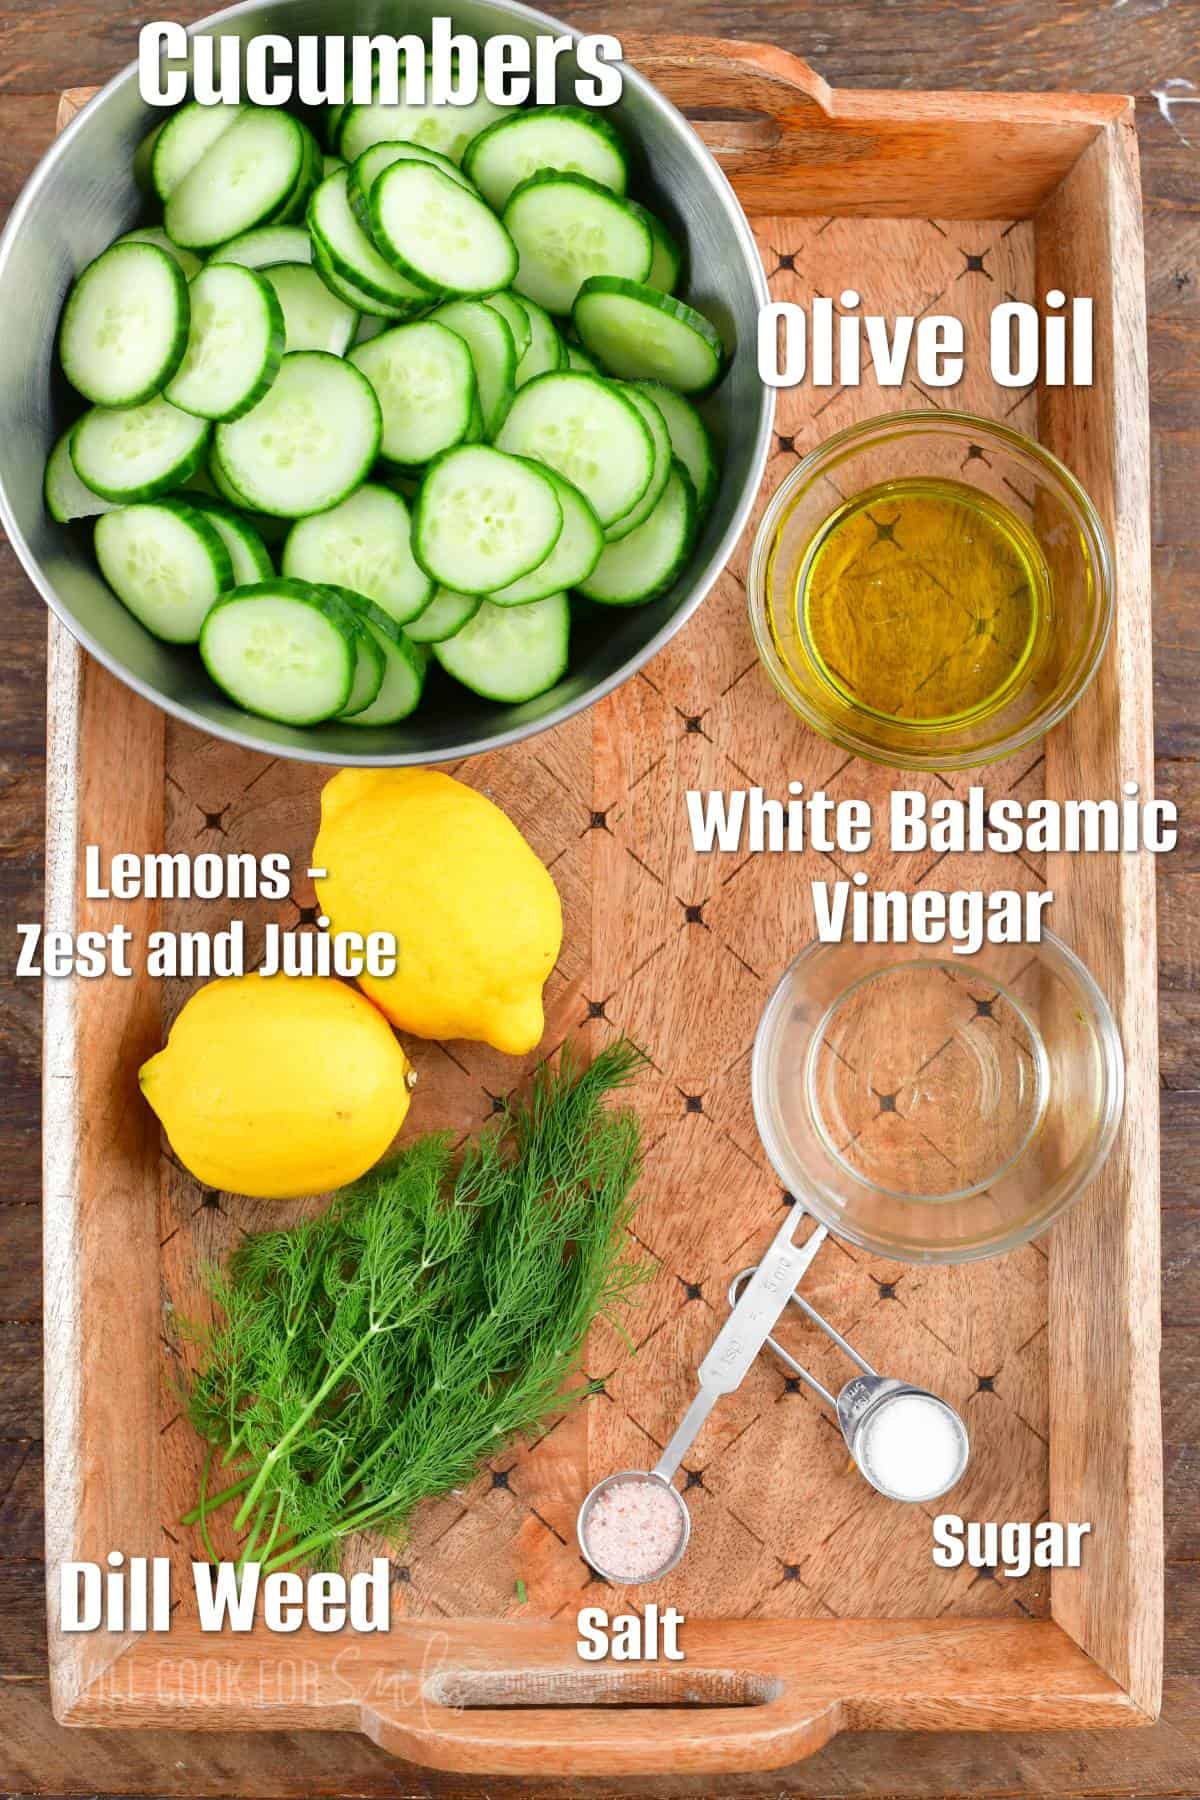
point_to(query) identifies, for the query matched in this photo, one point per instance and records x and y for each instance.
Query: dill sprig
(374, 1357)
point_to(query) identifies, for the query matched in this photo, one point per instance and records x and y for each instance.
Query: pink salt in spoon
(634, 1526)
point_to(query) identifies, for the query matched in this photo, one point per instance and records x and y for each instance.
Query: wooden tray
(813, 1605)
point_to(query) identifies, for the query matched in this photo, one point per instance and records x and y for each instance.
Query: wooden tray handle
(633, 1722)
(740, 96)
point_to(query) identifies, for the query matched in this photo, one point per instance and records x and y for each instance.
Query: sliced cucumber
(483, 519)
(367, 305)
(137, 452)
(167, 563)
(331, 164)
(183, 140)
(690, 440)
(404, 667)
(588, 431)
(448, 129)
(154, 234)
(313, 317)
(309, 179)
(235, 344)
(667, 262)
(656, 425)
(309, 442)
(248, 554)
(510, 653)
(579, 360)
(573, 557)
(143, 157)
(365, 545)
(439, 234)
(371, 164)
(340, 241)
(425, 380)
(65, 495)
(266, 244)
(125, 325)
(516, 316)
(566, 138)
(568, 228)
(369, 668)
(242, 180)
(546, 351)
(445, 615)
(640, 334)
(645, 564)
(282, 649)
(268, 527)
(488, 338)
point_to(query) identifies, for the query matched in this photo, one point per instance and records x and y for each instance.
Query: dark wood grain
(1132, 45)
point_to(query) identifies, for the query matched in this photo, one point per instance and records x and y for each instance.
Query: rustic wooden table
(1147, 47)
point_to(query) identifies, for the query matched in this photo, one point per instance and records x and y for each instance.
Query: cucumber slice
(154, 234)
(438, 233)
(340, 242)
(248, 554)
(639, 334)
(182, 141)
(137, 452)
(516, 316)
(425, 380)
(313, 317)
(590, 432)
(448, 129)
(235, 344)
(264, 245)
(65, 495)
(282, 649)
(567, 138)
(365, 545)
(667, 261)
(404, 668)
(369, 668)
(546, 352)
(657, 427)
(242, 180)
(483, 519)
(165, 562)
(690, 440)
(445, 615)
(568, 228)
(125, 325)
(573, 557)
(309, 179)
(308, 443)
(330, 165)
(579, 360)
(510, 653)
(371, 164)
(143, 157)
(269, 528)
(488, 338)
(646, 563)
(367, 305)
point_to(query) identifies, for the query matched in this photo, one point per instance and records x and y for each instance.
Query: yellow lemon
(278, 1086)
(477, 919)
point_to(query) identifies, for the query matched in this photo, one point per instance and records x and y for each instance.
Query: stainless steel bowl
(82, 195)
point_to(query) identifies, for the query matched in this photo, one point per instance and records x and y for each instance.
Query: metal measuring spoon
(766, 1293)
(858, 1406)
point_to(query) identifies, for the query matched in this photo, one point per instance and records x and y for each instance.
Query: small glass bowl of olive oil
(931, 590)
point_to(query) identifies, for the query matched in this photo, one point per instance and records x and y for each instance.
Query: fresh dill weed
(377, 1355)
(920, 601)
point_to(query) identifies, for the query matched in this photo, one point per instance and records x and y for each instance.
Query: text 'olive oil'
(921, 599)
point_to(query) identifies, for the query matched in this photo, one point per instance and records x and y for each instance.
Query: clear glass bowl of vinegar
(937, 1108)
(930, 590)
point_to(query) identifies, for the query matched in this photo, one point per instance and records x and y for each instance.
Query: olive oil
(920, 601)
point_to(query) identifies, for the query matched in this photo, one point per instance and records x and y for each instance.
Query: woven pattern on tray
(680, 951)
